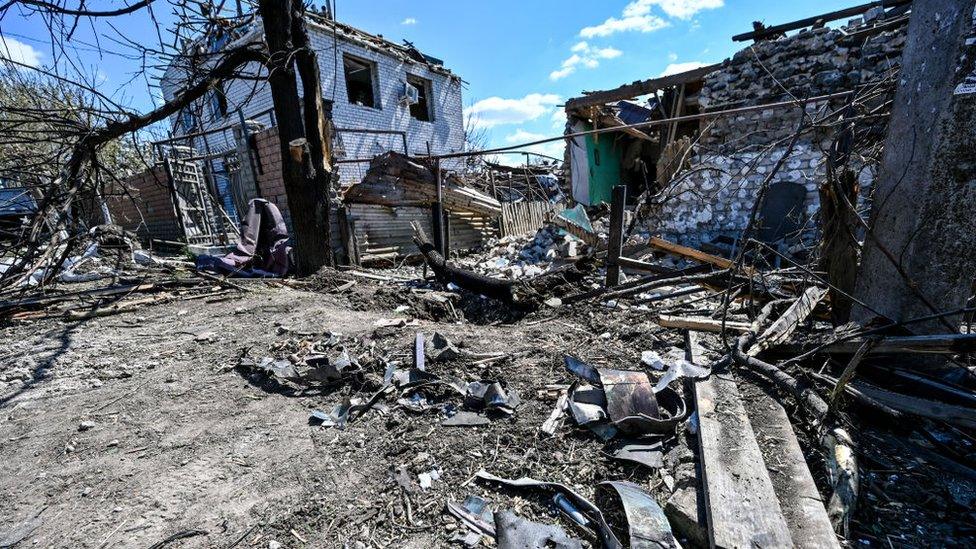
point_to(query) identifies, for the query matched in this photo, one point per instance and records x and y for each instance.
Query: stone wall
(736, 152)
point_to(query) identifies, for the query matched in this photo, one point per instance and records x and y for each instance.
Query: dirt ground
(136, 428)
(125, 430)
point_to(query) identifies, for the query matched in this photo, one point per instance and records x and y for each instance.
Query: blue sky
(520, 59)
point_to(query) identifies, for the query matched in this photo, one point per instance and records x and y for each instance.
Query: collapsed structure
(704, 172)
(671, 308)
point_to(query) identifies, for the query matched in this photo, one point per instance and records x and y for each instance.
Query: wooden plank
(785, 325)
(700, 324)
(555, 418)
(800, 500)
(947, 344)
(637, 265)
(640, 87)
(741, 505)
(693, 254)
(615, 244)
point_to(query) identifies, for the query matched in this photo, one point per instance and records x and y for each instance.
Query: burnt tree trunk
(318, 121)
(305, 167)
(839, 248)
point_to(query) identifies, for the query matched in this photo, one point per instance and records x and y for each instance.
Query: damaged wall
(380, 230)
(717, 194)
(389, 66)
(145, 206)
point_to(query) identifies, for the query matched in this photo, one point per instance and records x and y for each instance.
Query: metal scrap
(648, 528)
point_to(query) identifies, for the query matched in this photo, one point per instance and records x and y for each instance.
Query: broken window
(421, 109)
(218, 103)
(188, 120)
(359, 81)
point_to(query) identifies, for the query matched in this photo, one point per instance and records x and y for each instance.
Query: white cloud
(675, 68)
(522, 136)
(607, 53)
(20, 52)
(554, 149)
(495, 111)
(682, 9)
(561, 73)
(639, 23)
(672, 57)
(585, 56)
(637, 16)
(558, 119)
(409, 21)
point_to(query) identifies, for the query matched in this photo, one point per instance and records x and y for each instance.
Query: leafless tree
(84, 131)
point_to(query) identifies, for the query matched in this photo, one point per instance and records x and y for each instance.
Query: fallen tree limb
(785, 325)
(115, 309)
(525, 294)
(486, 286)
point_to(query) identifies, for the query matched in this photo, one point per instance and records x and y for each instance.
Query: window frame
(427, 89)
(374, 79)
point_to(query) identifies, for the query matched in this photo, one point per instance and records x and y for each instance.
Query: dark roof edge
(641, 87)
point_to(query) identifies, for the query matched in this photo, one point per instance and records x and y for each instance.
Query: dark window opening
(359, 82)
(187, 121)
(421, 109)
(218, 103)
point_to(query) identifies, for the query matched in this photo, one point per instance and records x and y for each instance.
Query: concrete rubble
(518, 356)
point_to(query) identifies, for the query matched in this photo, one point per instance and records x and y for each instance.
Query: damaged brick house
(385, 96)
(223, 149)
(704, 171)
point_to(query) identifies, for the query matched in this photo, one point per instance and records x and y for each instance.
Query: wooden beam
(700, 324)
(663, 274)
(741, 505)
(783, 328)
(960, 416)
(693, 254)
(948, 344)
(641, 87)
(615, 243)
(817, 19)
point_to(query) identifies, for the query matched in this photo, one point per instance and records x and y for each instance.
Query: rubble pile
(516, 257)
(700, 365)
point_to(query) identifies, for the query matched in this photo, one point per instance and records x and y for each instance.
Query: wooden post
(437, 225)
(615, 245)
(920, 254)
(437, 213)
(491, 179)
(347, 232)
(446, 227)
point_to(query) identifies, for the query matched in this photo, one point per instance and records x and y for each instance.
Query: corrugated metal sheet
(386, 229)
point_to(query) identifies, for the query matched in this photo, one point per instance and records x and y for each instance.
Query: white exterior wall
(445, 133)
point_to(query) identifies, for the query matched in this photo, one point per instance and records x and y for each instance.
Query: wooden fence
(520, 218)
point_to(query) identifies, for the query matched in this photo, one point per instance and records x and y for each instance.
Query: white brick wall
(444, 134)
